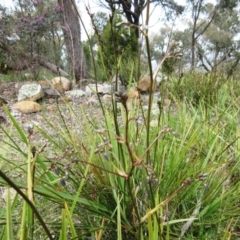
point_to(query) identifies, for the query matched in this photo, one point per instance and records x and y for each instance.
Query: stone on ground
(27, 107)
(30, 92)
(76, 93)
(144, 84)
(101, 88)
(61, 84)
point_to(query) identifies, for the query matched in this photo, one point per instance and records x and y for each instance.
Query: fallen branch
(52, 67)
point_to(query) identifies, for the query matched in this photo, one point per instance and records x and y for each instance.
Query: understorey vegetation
(170, 170)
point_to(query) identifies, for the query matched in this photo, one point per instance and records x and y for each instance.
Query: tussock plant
(206, 88)
(124, 172)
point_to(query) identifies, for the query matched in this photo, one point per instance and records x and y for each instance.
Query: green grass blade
(9, 216)
(70, 221)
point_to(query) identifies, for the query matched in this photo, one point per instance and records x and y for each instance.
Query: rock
(57, 85)
(101, 88)
(76, 93)
(50, 92)
(61, 84)
(144, 84)
(44, 83)
(30, 92)
(66, 84)
(27, 107)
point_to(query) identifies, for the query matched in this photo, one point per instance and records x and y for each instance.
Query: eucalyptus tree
(202, 15)
(132, 10)
(220, 45)
(72, 36)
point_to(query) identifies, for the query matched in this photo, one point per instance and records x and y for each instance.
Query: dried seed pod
(33, 150)
(121, 97)
(56, 170)
(62, 182)
(105, 156)
(30, 128)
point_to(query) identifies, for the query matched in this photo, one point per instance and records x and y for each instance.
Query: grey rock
(50, 92)
(30, 92)
(101, 88)
(76, 93)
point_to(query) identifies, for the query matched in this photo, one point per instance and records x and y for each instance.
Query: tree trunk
(72, 37)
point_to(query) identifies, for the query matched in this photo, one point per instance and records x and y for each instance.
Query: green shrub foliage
(118, 43)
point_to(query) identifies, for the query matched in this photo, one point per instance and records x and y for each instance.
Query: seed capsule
(62, 182)
(56, 170)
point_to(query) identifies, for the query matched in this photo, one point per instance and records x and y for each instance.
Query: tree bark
(72, 37)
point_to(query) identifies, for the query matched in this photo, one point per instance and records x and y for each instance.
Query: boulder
(57, 85)
(44, 83)
(66, 84)
(27, 107)
(144, 84)
(30, 92)
(61, 84)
